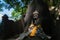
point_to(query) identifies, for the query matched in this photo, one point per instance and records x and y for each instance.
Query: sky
(5, 11)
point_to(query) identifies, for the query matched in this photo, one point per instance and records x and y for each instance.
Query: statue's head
(35, 14)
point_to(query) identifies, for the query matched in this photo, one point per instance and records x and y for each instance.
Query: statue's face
(35, 14)
(36, 18)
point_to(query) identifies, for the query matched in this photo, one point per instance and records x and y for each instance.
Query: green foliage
(16, 15)
(16, 4)
(20, 6)
(25, 1)
(13, 3)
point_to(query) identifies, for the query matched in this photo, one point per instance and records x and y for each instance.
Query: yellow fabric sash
(34, 29)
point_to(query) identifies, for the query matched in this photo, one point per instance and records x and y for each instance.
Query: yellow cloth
(34, 30)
